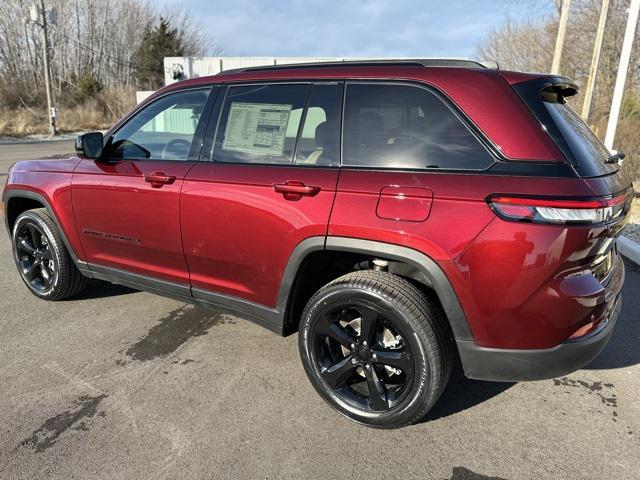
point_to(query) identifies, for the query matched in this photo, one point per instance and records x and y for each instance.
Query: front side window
(404, 126)
(163, 130)
(259, 124)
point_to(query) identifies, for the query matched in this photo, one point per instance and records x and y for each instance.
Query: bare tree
(96, 39)
(528, 46)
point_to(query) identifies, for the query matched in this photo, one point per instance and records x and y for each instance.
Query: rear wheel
(375, 348)
(42, 258)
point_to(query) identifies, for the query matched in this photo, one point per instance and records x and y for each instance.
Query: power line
(115, 60)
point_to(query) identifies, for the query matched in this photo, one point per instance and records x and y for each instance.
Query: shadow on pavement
(622, 350)
(462, 393)
(99, 289)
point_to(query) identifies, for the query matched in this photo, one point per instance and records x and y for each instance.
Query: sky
(353, 27)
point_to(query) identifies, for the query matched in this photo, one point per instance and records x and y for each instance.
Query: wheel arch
(18, 201)
(417, 266)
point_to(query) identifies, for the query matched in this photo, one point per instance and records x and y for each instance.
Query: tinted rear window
(570, 133)
(406, 126)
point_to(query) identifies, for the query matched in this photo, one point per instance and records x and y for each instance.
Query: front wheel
(375, 348)
(42, 259)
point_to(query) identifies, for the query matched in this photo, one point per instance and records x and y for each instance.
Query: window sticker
(257, 128)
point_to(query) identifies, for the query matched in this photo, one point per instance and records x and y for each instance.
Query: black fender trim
(304, 248)
(434, 274)
(18, 193)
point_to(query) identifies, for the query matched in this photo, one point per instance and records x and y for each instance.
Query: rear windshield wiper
(616, 158)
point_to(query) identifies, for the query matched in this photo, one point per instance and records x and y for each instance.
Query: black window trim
(303, 117)
(502, 165)
(211, 134)
(196, 142)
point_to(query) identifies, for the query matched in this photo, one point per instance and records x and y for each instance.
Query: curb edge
(629, 249)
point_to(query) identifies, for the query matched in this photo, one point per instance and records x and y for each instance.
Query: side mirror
(89, 145)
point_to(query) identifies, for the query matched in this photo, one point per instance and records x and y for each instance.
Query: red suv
(399, 214)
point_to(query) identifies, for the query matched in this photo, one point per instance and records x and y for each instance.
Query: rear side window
(573, 137)
(319, 142)
(259, 123)
(585, 146)
(404, 126)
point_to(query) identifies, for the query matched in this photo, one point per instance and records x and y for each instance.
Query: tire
(410, 346)
(38, 248)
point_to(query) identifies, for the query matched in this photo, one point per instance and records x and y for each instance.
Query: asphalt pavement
(12, 152)
(121, 384)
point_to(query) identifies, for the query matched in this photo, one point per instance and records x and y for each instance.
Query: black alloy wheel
(35, 259)
(376, 348)
(42, 258)
(363, 357)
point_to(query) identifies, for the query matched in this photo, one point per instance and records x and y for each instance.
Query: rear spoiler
(542, 81)
(549, 86)
(561, 86)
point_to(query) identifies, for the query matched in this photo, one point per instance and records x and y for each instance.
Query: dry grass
(22, 122)
(95, 114)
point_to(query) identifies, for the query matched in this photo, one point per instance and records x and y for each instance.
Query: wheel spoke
(393, 358)
(368, 324)
(36, 236)
(337, 333)
(337, 374)
(27, 246)
(377, 392)
(46, 254)
(30, 271)
(46, 275)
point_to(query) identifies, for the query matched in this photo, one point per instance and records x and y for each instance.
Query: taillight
(579, 211)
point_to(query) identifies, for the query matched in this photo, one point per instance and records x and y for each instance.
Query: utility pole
(625, 56)
(595, 60)
(562, 30)
(47, 70)
(39, 16)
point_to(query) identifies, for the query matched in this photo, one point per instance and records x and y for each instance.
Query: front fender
(59, 208)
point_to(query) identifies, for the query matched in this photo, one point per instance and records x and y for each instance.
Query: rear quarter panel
(505, 274)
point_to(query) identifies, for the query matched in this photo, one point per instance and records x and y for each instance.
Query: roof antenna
(490, 64)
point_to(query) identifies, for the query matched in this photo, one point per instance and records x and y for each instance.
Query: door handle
(158, 179)
(293, 190)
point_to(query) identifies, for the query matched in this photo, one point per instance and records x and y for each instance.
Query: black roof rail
(410, 62)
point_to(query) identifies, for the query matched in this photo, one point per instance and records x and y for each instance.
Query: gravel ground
(632, 230)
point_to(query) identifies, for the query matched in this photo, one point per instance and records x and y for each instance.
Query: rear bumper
(505, 365)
